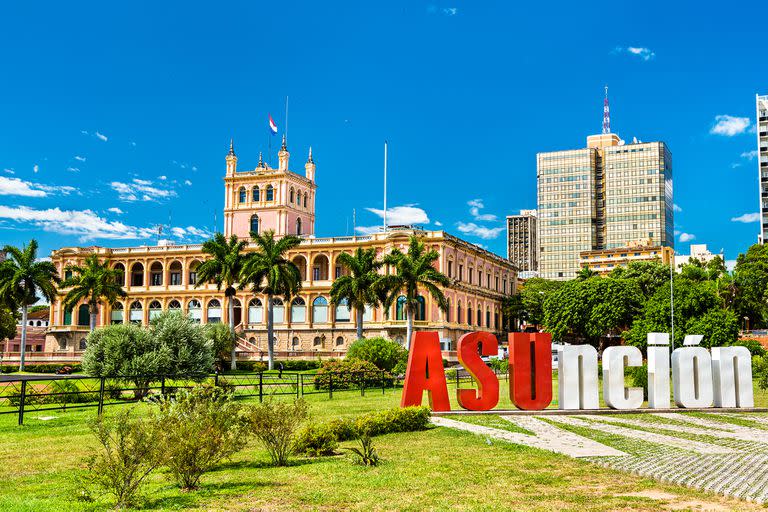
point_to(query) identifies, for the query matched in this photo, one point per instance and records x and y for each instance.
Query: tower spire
(309, 160)
(261, 160)
(231, 147)
(606, 114)
(284, 147)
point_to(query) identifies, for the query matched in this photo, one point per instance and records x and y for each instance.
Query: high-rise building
(762, 163)
(607, 195)
(522, 245)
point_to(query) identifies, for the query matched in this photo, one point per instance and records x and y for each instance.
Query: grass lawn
(436, 469)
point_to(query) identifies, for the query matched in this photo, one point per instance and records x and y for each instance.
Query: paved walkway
(714, 454)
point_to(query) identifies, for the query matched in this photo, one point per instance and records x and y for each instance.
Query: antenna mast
(606, 114)
(385, 186)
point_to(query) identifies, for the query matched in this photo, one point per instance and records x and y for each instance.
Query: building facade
(604, 196)
(762, 163)
(698, 252)
(604, 261)
(522, 243)
(163, 277)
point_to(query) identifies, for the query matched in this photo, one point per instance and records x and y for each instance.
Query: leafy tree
(7, 324)
(591, 309)
(585, 273)
(413, 270)
(94, 283)
(22, 277)
(533, 294)
(751, 279)
(224, 268)
(385, 354)
(358, 288)
(648, 275)
(719, 327)
(513, 309)
(182, 343)
(222, 338)
(269, 271)
(39, 307)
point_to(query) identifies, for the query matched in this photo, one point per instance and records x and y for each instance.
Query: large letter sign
(577, 377)
(692, 374)
(732, 375)
(658, 370)
(615, 393)
(425, 373)
(487, 395)
(530, 369)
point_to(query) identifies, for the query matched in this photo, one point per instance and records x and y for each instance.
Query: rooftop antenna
(354, 223)
(385, 186)
(606, 114)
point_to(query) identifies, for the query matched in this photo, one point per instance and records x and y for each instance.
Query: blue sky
(115, 117)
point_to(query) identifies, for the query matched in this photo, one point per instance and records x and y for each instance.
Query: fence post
(101, 396)
(22, 399)
(301, 385)
(297, 385)
(330, 385)
(383, 382)
(216, 378)
(261, 387)
(457, 378)
(162, 385)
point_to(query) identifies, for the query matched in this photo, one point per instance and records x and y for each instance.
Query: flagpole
(385, 186)
(286, 118)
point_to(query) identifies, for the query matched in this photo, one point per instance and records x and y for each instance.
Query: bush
(343, 429)
(499, 365)
(222, 339)
(390, 421)
(754, 346)
(252, 366)
(639, 377)
(42, 368)
(126, 456)
(316, 440)
(383, 353)
(350, 374)
(275, 424)
(197, 429)
(365, 455)
(68, 392)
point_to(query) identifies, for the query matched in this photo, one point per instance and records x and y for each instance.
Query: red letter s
(487, 395)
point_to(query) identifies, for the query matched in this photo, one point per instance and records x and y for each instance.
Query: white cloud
(100, 136)
(367, 230)
(450, 11)
(133, 144)
(80, 158)
(9, 171)
(116, 210)
(17, 187)
(35, 168)
(73, 169)
(677, 232)
(84, 132)
(194, 168)
(729, 126)
(643, 53)
(475, 206)
(187, 182)
(749, 155)
(163, 178)
(687, 237)
(470, 228)
(143, 189)
(438, 223)
(747, 218)
(402, 215)
(676, 208)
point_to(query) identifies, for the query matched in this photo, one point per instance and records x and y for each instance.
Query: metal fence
(36, 393)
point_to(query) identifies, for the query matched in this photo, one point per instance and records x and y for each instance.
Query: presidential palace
(163, 277)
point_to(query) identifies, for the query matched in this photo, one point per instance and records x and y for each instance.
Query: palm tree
(22, 278)
(585, 273)
(223, 268)
(359, 288)
(415, 269)
(95, 282)
(268, 271)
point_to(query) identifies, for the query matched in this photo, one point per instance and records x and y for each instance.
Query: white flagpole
(286, 118)
(385, 186)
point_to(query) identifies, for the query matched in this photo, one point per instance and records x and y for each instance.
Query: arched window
(156, 274)
(342, 311)
(298, 310)
(469, 314)
(241, 195)
(278, 311)
(479, 317)
(195, 310)
(340, 341)
(117, 314)
(174, 273)
(83, 344)
(298, 227)
(305, 200)
(255, 193)
(68, 316)
(421, 310)
(298, 198)
(400, 308)
(270, 193)
(448, 310)
(320, 268)
(155, 309)
(174, 305)
(214, 311)
(137, 313)
(121, 268)
(320, 310)
(255, 312)
(295, 343)
(292, 195)
(137, 274)
(458, 312)
(318, 341)
(255, 223)
(301, 264)
(488, 318)
(83, 315)
(193, 272)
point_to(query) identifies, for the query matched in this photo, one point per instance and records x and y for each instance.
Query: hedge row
(41, 367)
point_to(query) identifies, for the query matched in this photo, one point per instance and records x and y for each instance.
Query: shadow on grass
(267, 464)
(190, 499)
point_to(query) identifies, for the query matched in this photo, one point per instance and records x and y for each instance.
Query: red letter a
(530, 369)
(487, 395)
(425, 372)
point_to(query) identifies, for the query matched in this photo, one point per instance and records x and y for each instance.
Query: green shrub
(389, 421)
(639, 377)
(754, 346)
(68, 392)
(41, 368)
(222, 339)
(299, 365)
(316, 440)
(343, 429)
(275, 424)
(365, 455)
(126, 455)
(197, 429)
(251, 366)
(350, 374)
(499, 365)
(113, 390)
(383, 353)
